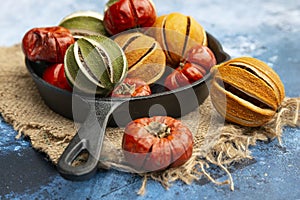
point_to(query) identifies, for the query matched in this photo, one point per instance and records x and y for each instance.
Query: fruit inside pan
(64, 102)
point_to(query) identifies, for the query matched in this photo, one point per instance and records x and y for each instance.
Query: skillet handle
(89, 138)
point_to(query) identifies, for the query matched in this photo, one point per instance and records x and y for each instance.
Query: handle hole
(81, 158)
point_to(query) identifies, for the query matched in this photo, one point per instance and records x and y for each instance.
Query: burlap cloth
(216, 143)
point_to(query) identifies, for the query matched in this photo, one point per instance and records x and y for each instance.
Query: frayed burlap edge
(232, 146)
(216, 143)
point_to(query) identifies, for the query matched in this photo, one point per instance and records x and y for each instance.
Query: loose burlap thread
(216, 143)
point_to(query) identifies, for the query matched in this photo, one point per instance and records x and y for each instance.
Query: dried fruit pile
(123, 53)
(148, 43)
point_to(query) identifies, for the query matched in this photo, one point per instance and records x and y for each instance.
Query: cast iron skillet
(97, 113)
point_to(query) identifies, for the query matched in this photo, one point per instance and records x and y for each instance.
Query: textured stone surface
(268, 30)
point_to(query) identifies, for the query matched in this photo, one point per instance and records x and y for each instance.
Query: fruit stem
(181, 64)
(159, 130)
(126, 88)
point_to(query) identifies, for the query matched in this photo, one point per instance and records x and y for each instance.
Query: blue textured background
(268, 30)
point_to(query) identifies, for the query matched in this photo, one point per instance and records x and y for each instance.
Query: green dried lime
(84, 23)
(95, 65)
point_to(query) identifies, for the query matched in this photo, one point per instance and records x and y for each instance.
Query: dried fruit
(197, 63)
(177, 33)
(47, 44)
(146, 59)
(122, 15)
(184, 75)
(155, 143)
(131, 87)
(246, 91)
(55, 75)
(84, 23)
(95, 64)
(202, 56)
